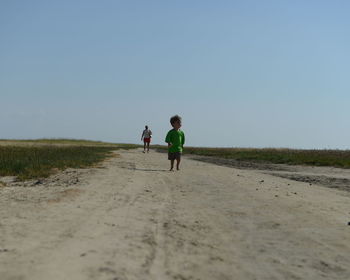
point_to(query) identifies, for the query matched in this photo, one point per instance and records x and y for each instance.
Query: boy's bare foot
(171, 169)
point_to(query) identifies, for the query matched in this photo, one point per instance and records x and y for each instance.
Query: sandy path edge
(133, 219)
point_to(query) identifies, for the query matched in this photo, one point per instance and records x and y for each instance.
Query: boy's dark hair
(175, 119)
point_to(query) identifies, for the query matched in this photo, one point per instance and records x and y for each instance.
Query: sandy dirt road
(133, 219)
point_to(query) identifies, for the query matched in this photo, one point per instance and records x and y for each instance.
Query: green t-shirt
(177, 139)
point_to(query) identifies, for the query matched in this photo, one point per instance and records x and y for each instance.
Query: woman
(146, 136)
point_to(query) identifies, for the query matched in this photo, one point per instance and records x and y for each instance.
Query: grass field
(61, 142)
(38, 158)
(28, 159)
(335, 158)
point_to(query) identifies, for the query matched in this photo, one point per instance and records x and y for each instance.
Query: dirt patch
(336, 178)
(70, 193)
(241, 164)
(330, 182)
(7, 179)
(66, 178)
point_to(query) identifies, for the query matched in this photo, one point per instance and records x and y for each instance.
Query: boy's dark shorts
(173, 156)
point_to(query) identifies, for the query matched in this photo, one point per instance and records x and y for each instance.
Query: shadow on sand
(147, 169)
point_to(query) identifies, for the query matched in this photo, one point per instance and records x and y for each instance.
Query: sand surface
(133, 219)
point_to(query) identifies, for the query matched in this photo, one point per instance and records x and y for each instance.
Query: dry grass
(41, 158)
(335, 158)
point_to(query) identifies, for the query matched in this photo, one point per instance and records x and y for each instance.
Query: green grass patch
(66, 142)
(38, 160)
(335, 158)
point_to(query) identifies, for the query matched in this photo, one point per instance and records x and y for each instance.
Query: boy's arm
(183, 140)
(167, 140)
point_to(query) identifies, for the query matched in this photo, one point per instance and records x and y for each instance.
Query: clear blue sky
(271, 73)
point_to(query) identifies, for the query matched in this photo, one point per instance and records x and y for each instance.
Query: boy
(175, 139)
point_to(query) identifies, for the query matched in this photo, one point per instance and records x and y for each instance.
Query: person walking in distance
(146, 137)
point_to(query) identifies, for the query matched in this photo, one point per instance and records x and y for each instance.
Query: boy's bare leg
(147, 147)
(178, 164)
(144, 146)
(171, 165)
